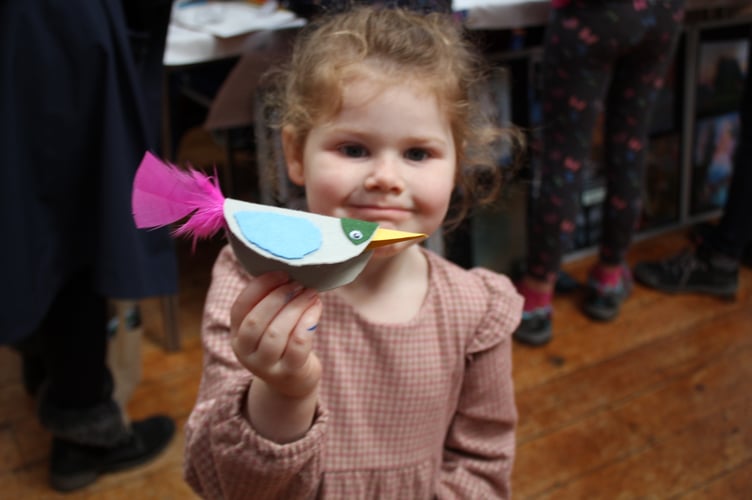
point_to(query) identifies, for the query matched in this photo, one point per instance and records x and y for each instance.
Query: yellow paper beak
(383, 237)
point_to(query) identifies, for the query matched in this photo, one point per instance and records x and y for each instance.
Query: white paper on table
(228, 19)
(469, 4)
(188, 47)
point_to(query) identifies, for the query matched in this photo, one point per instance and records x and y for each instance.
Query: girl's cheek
(323, 198)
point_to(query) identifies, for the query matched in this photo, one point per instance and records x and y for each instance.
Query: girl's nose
(385, 175)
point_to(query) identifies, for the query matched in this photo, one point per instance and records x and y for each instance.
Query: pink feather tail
(163, 194)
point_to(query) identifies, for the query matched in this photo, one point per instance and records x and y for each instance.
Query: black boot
(73, 466)
(699, 271)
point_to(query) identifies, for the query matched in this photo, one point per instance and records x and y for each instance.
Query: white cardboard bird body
(315, 250)
(321, 255)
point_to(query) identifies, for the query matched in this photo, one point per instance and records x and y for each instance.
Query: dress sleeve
(224, 457)
(480, 445)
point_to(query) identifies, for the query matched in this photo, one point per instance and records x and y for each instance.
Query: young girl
(397, 385)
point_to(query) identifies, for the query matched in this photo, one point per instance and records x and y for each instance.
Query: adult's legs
(90, 436)
(70, 348)
(734, 232)
(713, 267)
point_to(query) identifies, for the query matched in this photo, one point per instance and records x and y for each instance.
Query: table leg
(170, 322)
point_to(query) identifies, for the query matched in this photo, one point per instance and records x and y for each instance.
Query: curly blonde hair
(396, 46)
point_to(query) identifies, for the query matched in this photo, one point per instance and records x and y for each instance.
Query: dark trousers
(65, 364)
(734, 232)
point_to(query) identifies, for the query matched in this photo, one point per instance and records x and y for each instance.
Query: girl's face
(387, 157)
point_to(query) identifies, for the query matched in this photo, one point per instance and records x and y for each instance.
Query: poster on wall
(712, 161)
(722, 62)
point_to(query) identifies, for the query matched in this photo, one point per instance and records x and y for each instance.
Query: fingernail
(312, 328)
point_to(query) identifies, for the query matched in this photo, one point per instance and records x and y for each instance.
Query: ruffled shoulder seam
(483, 294)
(503, 310)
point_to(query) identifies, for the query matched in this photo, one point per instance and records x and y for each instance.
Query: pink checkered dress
(422, 409)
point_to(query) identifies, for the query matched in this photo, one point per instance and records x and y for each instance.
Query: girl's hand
(272, 323)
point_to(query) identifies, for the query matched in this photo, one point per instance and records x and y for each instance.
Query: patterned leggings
(608, 55)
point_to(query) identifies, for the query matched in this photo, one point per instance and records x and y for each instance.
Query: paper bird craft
(315, 250)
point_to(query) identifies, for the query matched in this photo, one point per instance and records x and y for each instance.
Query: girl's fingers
(251, 295)
(280, 329)
(254, 326)
(300, 344)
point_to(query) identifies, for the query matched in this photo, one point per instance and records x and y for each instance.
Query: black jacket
(80, 91)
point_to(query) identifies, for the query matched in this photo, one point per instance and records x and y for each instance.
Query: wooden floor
(657, 404)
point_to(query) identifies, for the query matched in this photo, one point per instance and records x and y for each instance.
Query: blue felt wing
(284, 236)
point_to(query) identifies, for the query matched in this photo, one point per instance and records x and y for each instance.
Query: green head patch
(358, 231)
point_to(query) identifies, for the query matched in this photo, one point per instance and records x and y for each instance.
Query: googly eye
(356, 235)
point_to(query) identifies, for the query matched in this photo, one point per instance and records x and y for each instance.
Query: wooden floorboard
(656, 404)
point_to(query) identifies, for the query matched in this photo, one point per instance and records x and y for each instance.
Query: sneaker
(603, 301)
(535, 327)
(74, 466)
(691, 271)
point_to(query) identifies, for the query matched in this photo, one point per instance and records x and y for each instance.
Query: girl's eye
(353, 151)
(416, 154)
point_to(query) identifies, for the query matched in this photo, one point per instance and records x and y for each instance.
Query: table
(188, 46)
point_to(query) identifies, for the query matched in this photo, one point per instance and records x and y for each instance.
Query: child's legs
(575, 76)
(638, 76)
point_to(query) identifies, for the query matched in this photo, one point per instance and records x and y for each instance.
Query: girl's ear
(293, 149)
